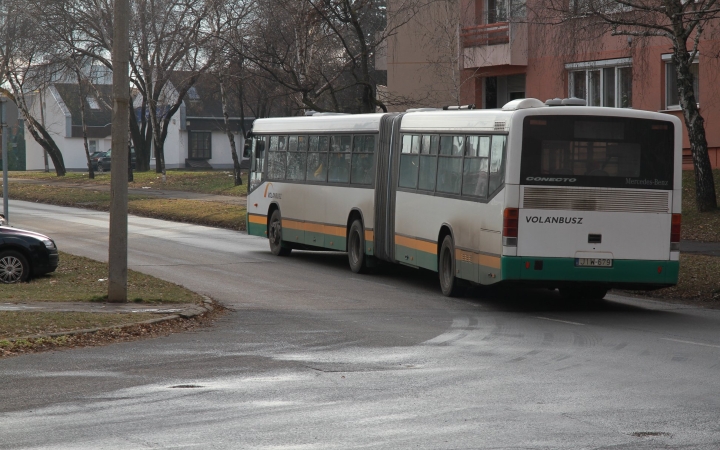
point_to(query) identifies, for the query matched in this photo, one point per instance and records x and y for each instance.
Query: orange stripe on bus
(254, 218)
(331, 230)
(369, 235)
(425, 246)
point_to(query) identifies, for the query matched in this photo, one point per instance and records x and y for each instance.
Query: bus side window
(296, 158)
(362, 159)
(449, 172)
(428, 162)
(409, 161)
(317, 158)
(497, 168)
(475, 166)
(276, 158)
(339, 159)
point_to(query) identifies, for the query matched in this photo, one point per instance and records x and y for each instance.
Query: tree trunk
(233, 149)
(91, 172)
(140, 141)
(42, 137)
(705, 198)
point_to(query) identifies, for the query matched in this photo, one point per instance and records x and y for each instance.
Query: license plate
(593, 262)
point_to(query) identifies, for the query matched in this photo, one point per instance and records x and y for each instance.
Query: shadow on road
(499, 298)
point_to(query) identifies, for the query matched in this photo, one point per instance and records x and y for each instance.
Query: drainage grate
(650, 434)
(186, 386)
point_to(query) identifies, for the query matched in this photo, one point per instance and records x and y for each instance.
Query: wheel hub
(10, 270)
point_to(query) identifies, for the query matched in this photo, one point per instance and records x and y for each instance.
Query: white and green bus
(578, 198)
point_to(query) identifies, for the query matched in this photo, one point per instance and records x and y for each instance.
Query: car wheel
(275, 235)
(14, 267)
(356, 248)
(446, 268)
(100, 168)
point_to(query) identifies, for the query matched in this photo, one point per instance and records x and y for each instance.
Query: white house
(196, 136)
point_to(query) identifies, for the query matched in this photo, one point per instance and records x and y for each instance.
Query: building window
(92, 147)
(93, 103)
(199, 142)
(602, 83)
(672, 97)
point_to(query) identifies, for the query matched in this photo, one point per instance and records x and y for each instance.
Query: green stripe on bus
(256, 229)
(293, 235)
(564, 269)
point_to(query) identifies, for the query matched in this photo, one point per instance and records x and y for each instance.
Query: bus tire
(277, 247)
(446, 268)
(356, 248)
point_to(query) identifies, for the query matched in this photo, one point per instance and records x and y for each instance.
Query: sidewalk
(150, 191)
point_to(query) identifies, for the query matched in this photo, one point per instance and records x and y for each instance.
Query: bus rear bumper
(555, 272)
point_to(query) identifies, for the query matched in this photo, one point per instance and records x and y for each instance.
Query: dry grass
(698, 283)
(109, 335)
(206, 182)
(699, 226)
(212, 214)
(85, 280)
(14, 324)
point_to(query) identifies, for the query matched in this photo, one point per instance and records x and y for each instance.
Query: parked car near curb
(101, 163)
(24, 254)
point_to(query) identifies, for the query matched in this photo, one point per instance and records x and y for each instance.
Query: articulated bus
(580, 199)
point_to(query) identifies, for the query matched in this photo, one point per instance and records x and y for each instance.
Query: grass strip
(698, 283)
(213, 214)
(108, 336)
(15, 324)
(698, 226)
(85, 280)
(206, 182)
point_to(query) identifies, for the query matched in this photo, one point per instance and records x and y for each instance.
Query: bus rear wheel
(275, 235)
(446, 268)
(356, 248)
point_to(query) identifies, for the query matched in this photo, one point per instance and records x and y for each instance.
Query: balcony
(490, 34)
(495, 44)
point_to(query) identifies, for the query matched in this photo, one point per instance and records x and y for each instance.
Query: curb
(189, 313)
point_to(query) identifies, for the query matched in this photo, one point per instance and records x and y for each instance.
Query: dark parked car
(101, 163)
(24, 254)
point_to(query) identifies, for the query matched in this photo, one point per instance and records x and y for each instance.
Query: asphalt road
(313, 356)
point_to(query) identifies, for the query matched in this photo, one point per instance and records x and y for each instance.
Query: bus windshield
(595, 151)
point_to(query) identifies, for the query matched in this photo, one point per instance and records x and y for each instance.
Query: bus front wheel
(446, 268)
(275, 235)
(356, 248)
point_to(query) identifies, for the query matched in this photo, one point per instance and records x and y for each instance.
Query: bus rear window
(597, 152)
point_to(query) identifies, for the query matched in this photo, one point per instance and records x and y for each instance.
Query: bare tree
(323, 50)
(680, 23)
(22, 70)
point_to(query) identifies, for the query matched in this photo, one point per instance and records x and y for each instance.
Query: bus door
(257, 162)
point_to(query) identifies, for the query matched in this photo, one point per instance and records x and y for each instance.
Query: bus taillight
(675, 228)
(510, 226)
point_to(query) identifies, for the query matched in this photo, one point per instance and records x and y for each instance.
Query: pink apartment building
(496, 56)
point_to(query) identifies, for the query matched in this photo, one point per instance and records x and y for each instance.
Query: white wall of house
(221, 152)
(56, 120)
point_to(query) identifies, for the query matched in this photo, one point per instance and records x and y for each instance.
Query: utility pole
(117, 258)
